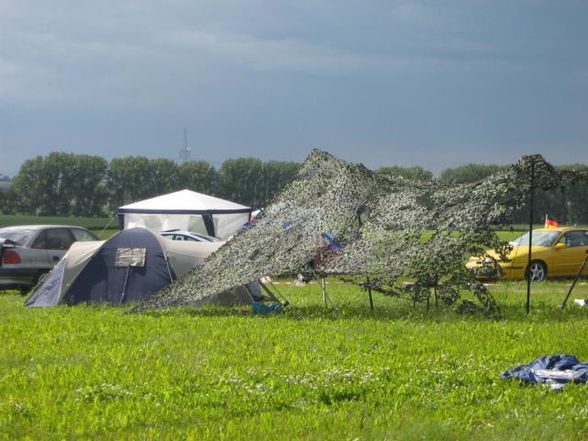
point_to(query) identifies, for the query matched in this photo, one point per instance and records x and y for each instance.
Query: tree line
(65, 184)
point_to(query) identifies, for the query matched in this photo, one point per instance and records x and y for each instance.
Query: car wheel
(39, 277)
(537, 271)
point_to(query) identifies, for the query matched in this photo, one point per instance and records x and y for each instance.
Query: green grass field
(101, 227)
(340, 372)
(92, 223)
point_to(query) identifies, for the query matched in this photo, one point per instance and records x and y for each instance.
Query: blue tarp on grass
(552, 369)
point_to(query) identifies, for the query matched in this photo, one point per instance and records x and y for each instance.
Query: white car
(188, 236)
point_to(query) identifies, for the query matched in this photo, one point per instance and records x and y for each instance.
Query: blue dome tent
(129, 267)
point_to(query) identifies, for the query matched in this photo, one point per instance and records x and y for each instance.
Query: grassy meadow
(92, 223)
(341, 372)
(103, 228)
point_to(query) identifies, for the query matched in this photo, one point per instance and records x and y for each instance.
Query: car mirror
(560, 245)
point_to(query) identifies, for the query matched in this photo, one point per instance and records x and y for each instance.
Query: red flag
(551, 222)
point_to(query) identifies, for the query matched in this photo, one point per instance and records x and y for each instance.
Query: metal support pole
(531, 203)
(324, 287)
(578, 274)
(370, 293)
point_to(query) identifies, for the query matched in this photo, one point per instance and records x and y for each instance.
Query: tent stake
(578, 274)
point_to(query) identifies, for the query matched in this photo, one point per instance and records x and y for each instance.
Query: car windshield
(17, 235)
(540, 238)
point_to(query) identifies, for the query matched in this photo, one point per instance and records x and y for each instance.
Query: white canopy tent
(186, 210)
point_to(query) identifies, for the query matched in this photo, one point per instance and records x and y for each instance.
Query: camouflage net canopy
(342, 219)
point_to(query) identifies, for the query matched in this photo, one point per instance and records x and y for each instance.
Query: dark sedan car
(29, 251)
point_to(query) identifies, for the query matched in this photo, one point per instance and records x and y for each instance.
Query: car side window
(82, 235)
(583, 238)
(59, 239)
(40, 242)
(576, 239)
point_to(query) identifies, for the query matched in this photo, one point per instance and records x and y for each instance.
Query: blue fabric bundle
(266, 308)
(551, 369)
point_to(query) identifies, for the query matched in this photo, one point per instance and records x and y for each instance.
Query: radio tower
(185, 151)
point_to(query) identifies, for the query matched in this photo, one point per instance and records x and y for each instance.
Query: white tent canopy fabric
(186, 210)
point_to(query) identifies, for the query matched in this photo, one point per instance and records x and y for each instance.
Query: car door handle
(55, 258)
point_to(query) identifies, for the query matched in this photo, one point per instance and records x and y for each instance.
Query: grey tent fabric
(48, 293)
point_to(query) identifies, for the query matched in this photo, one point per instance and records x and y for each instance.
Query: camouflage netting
(390, 229)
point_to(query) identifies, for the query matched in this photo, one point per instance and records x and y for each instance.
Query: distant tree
(575, 197)
(198, 176)
(134, 178)
(162, 176)
(567, 203)
(241, 180)
(29, 187)
(89, 173)
(128, 180)
(8, 202)
(468, 173)
(61, 184)
(416, 173)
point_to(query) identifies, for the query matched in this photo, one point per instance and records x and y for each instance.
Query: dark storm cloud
(406, 82)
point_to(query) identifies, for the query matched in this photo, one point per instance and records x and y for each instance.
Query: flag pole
(531, 202)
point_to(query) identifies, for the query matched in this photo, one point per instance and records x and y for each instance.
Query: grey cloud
(421, 82)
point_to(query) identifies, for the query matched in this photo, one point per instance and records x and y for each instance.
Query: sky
(430, 83)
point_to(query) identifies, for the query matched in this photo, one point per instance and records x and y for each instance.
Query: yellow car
(555, 252)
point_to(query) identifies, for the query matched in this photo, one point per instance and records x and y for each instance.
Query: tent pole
(578, 274)
(273, 297)
(108, 225)
(171, 279)
(122, 295)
